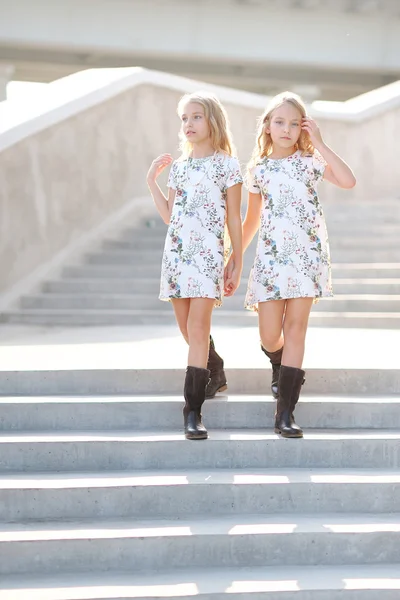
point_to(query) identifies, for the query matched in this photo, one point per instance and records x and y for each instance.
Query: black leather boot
(215, 364)
(194, 392)
(290, 382)
(275, 360)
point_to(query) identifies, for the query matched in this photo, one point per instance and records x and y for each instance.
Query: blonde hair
(264, 143)
(217, 119)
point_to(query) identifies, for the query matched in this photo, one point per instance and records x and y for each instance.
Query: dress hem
(254, 307)
(217, 301)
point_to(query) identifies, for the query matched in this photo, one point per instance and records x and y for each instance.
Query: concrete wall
(81, 155)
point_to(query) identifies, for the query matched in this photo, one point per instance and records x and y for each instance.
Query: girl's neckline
(203, 157)
(285, 158)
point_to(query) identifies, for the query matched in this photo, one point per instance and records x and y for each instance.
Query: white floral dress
(193, 259)
(292, 258)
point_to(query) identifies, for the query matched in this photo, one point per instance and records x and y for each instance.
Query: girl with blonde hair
(204, 195)
(292, 267)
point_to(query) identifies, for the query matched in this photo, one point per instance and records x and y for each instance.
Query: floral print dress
(193, 259)
(292, 258)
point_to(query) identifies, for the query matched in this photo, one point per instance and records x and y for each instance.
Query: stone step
(75, 381)
(164, 316)
(355, 582)
(335, 211)
(236, 449)
(154, 256)
(39, 496)
(343, 270)
(365, 285)
(152, 286)
(164, 412)
(236, 541)
(349, 226)
(340, 303)
(343, 240)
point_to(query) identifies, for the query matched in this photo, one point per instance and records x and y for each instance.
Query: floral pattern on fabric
(195, 246)
(292, 258)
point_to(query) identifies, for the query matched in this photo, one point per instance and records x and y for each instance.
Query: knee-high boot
(275, 360)
(290, 381)
(215, 364)
(194, 392)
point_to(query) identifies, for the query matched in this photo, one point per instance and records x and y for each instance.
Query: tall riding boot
(215, 364)
(194, 392)
(275, 360)
(289, 386)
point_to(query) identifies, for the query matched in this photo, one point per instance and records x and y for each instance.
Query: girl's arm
(336, 171)
(250, 226)
(234, 223)
(251, 221)
(164, 205)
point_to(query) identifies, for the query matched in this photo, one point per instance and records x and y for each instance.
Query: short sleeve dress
(292, 258)
(193, 259)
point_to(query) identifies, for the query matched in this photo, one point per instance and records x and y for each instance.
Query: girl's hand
(158, 165)
(310, 126)
(232, 280)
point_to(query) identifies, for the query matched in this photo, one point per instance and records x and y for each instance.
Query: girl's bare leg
(198, 328)
(181, 309)
(295, 326)
(270, 323)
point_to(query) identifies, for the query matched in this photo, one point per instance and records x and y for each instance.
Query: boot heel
(222, 388)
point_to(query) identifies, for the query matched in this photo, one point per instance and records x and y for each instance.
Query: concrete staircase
(101, 496)
(118, 282)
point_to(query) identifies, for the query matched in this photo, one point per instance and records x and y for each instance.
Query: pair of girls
(291, 269)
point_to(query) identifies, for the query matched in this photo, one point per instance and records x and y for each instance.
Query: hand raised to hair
(310, 126)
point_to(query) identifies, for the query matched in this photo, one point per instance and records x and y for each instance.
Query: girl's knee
(271, 338)
(271, 342)
(198, 331)
(184, 331)
(295, 330)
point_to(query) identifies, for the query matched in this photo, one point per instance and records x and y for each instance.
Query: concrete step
(40, 496)
(103, 286)
(365, 285)
(78, 380)
(342, 223)
(342, 270)
(363, 240)
(164, 316)
(152, 286)
(340, 303)
(164, 412)
(355, 582)
(236, 541)
(154, 256)
(237, 449)
(381, 212)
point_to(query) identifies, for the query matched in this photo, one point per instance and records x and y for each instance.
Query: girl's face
(194, 123)
(285, 125)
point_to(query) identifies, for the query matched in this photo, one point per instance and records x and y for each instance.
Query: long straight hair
(264, 144)
(217, 119)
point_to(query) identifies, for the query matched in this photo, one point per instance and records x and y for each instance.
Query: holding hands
(232, 275)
